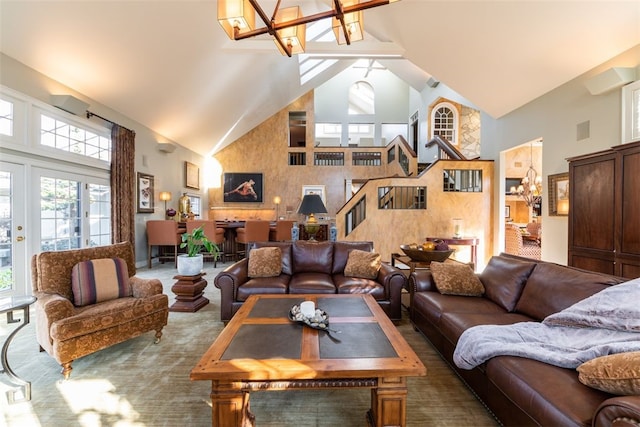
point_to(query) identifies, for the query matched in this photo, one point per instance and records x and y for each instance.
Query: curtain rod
(90, 114)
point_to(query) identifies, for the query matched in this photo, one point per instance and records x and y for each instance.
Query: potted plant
(191, 263)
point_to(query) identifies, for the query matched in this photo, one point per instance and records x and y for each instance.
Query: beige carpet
(137, 383)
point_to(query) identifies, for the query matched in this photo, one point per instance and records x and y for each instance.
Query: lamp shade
(236, 15)
(312, 204)
(294, 37)
(354, 22)
(165, 196)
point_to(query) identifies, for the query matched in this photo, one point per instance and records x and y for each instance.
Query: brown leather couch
(310, 268)
(520, 391)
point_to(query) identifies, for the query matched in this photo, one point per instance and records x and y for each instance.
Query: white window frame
(456, 120)
(631, 112)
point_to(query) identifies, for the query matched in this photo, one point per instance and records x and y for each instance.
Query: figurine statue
(184, 207)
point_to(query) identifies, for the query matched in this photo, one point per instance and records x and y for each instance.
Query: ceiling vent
(70, 104)
(609, 80)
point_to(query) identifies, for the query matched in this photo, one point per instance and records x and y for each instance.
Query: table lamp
(165, 196)
(277, 200)
(311, 205)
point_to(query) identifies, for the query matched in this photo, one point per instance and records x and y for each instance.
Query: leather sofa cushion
(452, 325)
(341, 253)
(311, 283)
(314, 257)
(263, 285)
(552, 288)
(356, 285)
(433, 304)
(285, 249)
(551, 395)
(504, 279)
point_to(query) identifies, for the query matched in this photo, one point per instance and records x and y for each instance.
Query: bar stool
(253, 231)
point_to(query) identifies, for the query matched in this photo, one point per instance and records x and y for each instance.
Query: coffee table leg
(230, 405)
(388, 403)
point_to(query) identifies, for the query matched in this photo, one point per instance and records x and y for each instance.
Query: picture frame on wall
(145, 186)
(243, 187)
(315, 189)
(191, 176)
(507, 211)
(559, 194)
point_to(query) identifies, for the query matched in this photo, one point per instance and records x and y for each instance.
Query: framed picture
(191, 176)
(145, 193)
(559, 194)
(507, 211)
(243, 187)
(315, 189)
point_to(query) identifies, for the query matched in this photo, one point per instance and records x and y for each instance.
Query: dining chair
(253, 231)
(516, 245)
(162, 233)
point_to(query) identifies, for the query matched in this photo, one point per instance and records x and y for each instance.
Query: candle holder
(458, 228)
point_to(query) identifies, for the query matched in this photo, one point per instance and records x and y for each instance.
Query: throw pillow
(99, 280)
(363, 264)
(265, 262)
(456, 279)
(615, 374)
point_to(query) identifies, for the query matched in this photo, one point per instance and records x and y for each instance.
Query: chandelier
(287, 26)
(530, 188)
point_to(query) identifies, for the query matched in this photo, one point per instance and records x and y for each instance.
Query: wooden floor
(137, 383)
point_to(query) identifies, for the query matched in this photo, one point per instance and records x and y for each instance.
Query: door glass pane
(99, 215)
(6, 225)
(60, 214)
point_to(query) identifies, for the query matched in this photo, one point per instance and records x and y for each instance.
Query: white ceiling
(168, 65)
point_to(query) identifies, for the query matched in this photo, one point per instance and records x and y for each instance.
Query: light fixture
(166, 196)
(311, 205)
(287, 26)
(530, 188)
(276, 201)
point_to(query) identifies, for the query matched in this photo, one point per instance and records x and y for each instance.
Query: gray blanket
(605, 323)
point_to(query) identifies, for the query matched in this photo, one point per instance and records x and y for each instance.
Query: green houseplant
(191, 263)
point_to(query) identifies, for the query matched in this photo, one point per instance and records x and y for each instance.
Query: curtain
(123, 149)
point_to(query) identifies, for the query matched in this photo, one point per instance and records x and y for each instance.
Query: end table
(189, 293)
(9, 305)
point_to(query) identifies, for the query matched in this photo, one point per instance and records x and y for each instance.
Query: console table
(9, 305)
(463, 241)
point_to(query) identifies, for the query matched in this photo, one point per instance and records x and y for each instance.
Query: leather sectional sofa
(520, 391)
(310, 268)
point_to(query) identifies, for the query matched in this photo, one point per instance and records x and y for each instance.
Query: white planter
(190, 266)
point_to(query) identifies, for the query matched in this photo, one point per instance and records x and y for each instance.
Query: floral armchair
(68, 331)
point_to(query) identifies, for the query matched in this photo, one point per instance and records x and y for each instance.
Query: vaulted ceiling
(168, 65)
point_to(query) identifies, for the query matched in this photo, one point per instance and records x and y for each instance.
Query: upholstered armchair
(516, 245)
(73, 319)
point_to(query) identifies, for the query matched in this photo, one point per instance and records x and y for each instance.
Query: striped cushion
(99, 280)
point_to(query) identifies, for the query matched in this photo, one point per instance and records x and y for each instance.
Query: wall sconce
(277, 200)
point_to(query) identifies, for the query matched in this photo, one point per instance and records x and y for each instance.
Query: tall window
(444, 122)
(361, 98)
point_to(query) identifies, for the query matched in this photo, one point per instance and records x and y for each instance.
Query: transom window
(6, 117)
(67, 137)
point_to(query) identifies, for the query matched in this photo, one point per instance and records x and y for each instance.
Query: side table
(189, 293)
(9, 305)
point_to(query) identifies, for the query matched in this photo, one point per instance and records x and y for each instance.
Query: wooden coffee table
(261, 349)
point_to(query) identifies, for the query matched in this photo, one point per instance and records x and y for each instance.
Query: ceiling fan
(372, 65)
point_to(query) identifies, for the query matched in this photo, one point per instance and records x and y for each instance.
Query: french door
(13, 230)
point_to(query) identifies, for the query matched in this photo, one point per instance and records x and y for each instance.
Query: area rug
(138, 383)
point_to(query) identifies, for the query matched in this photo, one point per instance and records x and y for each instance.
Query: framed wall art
(191, 176)
(559, 194)
(145, 193)
(315, 189)
(243, 187)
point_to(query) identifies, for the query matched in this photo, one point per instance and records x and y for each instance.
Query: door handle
(19, 238)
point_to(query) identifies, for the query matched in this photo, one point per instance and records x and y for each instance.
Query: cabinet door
(628, 254)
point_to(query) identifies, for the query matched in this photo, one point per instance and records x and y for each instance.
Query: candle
(308, 309)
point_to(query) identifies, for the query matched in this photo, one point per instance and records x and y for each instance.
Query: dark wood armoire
(604, 211)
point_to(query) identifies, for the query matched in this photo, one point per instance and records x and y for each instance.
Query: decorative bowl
(425, 256)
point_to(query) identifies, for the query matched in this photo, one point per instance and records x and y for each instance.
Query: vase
(190, 265)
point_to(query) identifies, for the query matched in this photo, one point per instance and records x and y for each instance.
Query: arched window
(444, 122)
(361, 98)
